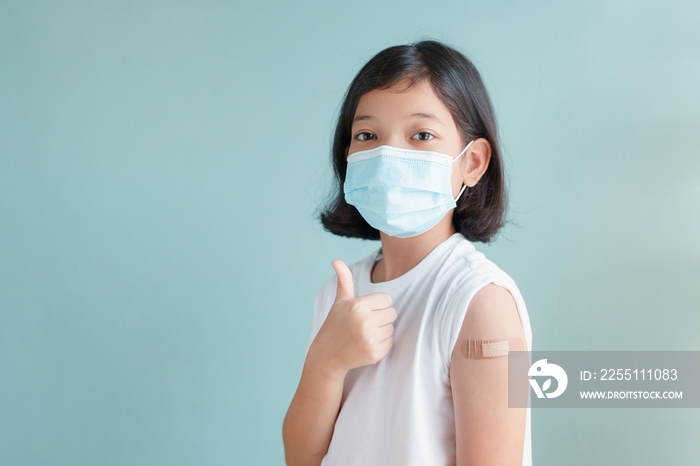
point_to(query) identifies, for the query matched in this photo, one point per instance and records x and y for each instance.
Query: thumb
(345, 286)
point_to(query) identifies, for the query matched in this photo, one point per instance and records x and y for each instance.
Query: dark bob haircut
(481, 209)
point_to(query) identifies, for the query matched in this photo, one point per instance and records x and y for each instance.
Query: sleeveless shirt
(399, 411)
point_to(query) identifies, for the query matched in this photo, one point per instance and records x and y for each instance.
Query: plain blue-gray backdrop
(161, 164)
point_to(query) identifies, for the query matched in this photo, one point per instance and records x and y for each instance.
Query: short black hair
(481, 209)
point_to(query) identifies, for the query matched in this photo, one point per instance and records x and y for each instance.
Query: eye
(365, 136)
(423, 136)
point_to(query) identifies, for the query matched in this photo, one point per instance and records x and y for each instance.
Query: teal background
(160, 167)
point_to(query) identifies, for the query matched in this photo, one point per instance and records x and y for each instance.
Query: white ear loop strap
(463, 151)
(460, 192)
(453, 161)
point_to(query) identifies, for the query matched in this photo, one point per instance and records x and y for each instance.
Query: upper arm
(487, 431)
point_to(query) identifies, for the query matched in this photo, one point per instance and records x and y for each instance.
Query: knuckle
(355, 308)
(365, 334)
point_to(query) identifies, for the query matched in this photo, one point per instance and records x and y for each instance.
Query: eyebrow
(429, 116)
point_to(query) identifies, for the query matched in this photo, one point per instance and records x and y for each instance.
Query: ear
(346, 152)
(478, 157)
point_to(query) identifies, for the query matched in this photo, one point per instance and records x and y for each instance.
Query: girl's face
(410, 119)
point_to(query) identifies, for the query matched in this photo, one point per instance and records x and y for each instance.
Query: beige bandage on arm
(492, 348)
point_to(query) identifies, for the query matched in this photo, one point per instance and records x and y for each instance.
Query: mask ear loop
(453, 161)
(463, 150)
(460, 193)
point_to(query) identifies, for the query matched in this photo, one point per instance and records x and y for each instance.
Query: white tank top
(399, 411)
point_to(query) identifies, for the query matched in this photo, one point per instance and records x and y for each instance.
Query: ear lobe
(470, 181)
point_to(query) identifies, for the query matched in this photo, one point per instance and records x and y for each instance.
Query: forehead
(399, 101)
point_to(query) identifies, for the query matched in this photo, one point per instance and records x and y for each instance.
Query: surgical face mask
(401, 192)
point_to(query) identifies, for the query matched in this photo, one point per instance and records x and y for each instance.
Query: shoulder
(481, 301)
(476, 281)
(464, 263)
(492, 313)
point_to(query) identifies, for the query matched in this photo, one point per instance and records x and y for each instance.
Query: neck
(402, 254)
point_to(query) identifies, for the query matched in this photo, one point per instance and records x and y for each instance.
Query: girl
(406, 361)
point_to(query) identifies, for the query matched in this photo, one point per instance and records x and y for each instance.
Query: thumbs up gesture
(357, 331)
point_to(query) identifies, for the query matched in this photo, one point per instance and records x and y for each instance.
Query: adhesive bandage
(493, 348)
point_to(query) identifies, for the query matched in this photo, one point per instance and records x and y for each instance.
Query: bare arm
(488, 431)
(308, 425)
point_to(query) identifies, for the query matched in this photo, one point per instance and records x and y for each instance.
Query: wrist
(320, 364)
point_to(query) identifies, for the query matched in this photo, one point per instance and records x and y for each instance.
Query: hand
(357, 331)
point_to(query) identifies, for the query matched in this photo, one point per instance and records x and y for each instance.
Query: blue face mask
(401, 192)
